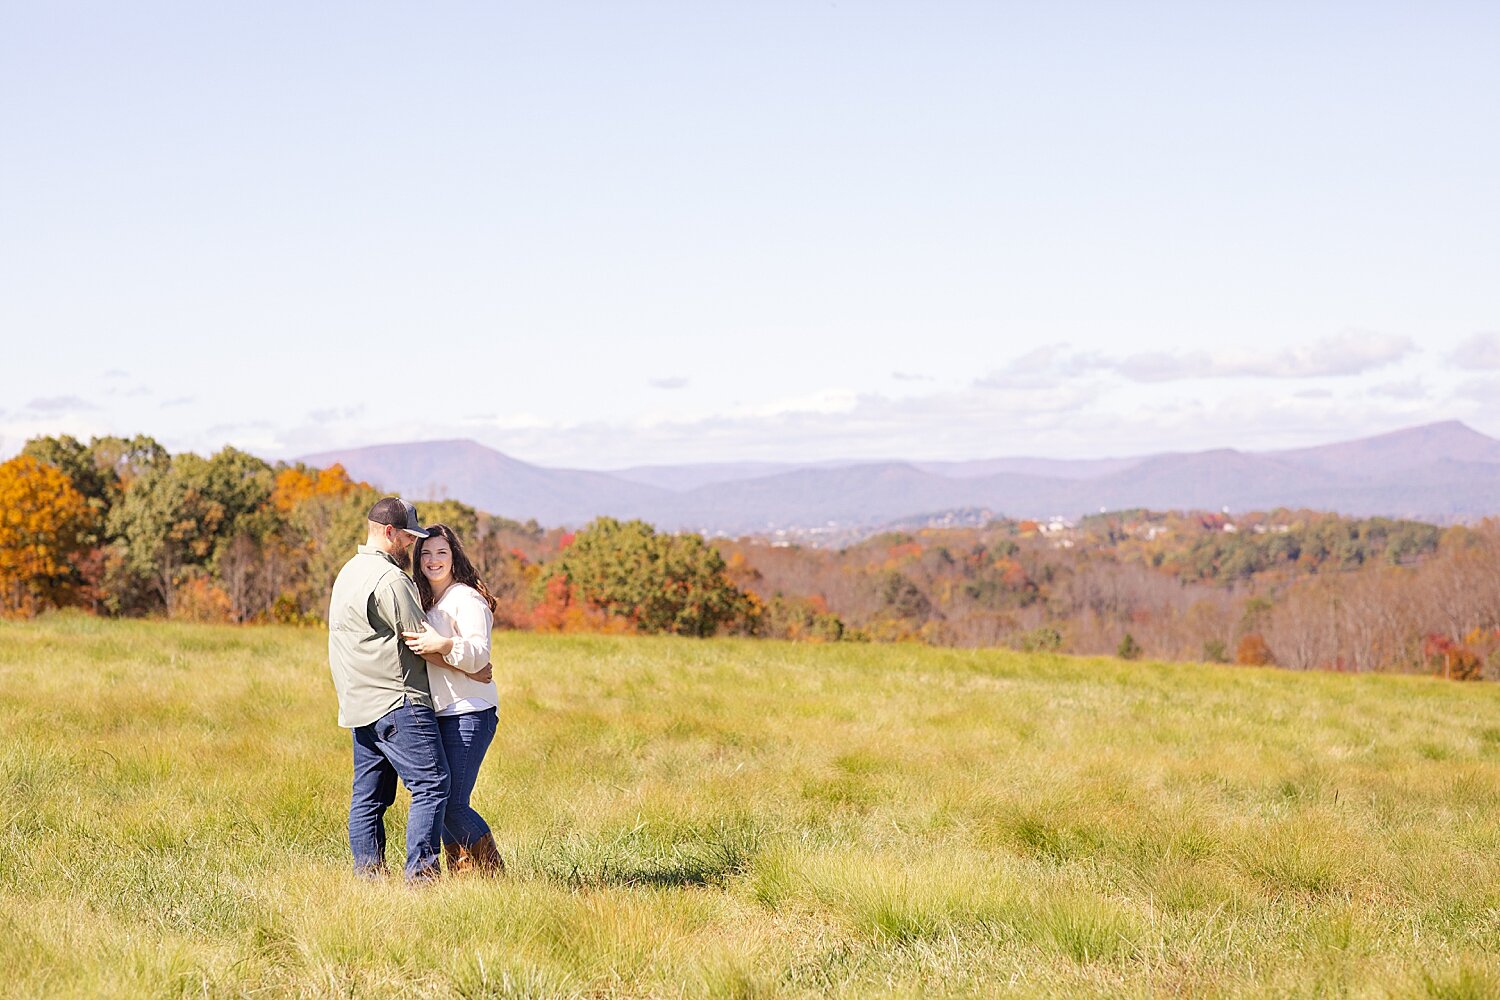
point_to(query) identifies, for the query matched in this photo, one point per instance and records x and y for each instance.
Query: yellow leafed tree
(45, 524)
(295, 484)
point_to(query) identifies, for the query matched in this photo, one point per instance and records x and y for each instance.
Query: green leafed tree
(101, 469)
(327, 531)
(100, 472)
(463, 519)
(175, 515)
(658, 582)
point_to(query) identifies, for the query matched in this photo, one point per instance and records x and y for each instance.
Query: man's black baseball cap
(398, 514)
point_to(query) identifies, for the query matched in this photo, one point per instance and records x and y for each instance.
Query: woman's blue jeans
(465, 737)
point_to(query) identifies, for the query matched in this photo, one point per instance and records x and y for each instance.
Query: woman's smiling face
(437, 560)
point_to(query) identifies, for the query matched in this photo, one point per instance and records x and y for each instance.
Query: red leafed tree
(1452, 660)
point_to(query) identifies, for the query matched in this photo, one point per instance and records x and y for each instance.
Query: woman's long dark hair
(463, 570)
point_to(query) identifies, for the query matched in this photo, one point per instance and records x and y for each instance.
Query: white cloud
(670, 382)
(1057, 400)
(1480, 352)
(60, 405)
(259, 437)
(831, 423)
(1074, 418)
(1348, 354)
(1343, 355)
(18, 427)
(1041, 367)
(825, 401)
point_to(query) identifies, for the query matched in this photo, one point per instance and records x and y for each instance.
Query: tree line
(1301, 589)
(119, 526)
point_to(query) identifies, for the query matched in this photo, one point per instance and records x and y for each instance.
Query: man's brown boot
(484, 857)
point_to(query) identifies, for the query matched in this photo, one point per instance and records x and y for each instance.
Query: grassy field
(743, 819)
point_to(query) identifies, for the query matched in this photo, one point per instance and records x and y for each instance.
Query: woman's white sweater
(462, 614)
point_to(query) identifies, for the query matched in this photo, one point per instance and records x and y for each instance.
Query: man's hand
(427, 641)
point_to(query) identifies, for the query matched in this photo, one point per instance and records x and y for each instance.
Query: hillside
(1439, 472)
(726, 818)
(1378, 457)
(490, 480)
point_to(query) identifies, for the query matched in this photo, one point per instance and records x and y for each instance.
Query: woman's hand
(484, 674)
(426, 641)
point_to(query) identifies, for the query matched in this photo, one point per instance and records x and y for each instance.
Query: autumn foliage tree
(1452, 660)
(1252, 651)
(172, 520)
(296, 484)
(102, 469)
(656, 582)
(45, 524)
(123, 527)
(281, 557)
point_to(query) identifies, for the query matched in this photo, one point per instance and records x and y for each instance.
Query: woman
(456, 646)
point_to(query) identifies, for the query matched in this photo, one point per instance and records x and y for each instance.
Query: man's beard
(403, 557)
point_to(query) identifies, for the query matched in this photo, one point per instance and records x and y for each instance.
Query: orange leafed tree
(45, 526)
(1452, 660)
(1253, 651)
(295, 484)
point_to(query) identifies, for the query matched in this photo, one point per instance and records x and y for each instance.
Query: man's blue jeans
(466, 737)
(403, 743)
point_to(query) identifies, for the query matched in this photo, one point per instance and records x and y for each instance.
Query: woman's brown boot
(457, 857)
(484, 857)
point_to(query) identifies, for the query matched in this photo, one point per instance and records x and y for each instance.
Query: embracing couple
(410, 662)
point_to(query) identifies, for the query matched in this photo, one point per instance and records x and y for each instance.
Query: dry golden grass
(743, 819)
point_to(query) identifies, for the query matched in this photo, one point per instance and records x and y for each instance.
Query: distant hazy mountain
(1205, 479)
(489, 480)
(1056, 468)
(1440, 471)
(1397, 451)
(808, 498)
(689, 477)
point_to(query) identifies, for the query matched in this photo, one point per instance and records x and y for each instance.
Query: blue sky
(615, 233)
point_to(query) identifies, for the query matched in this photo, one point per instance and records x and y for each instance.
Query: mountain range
(1437, 472)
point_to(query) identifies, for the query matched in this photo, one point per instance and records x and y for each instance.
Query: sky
(605, 234)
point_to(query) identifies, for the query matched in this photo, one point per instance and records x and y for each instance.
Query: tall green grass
(751, 819)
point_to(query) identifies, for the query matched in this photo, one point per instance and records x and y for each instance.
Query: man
(384, 697)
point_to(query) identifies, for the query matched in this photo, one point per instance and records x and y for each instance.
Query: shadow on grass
(652, 855)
